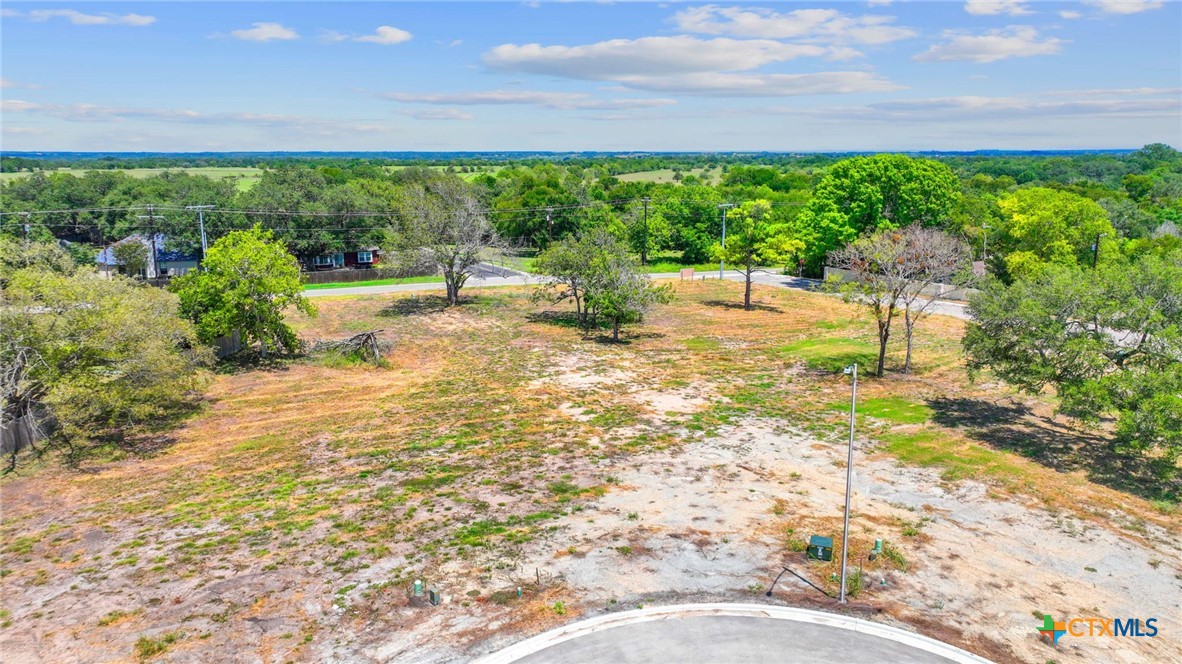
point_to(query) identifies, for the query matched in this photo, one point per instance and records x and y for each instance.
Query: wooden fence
(349, 276)
(19, 434)
(227, 345)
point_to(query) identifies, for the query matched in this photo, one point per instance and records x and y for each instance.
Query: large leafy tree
(756, 236)
(84, 357)
(445, 229)
(1108, 341)
(1042, 227)
(866, 193)
(246, 282)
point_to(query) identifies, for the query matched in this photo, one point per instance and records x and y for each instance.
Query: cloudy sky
(875, 75)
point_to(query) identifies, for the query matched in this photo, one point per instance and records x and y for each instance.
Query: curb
(591, 625)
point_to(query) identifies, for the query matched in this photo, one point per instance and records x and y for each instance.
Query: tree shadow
(1016, 428)
(416, 305)
(626, 338)
(567, 319)
(739, 305)
(251, 359)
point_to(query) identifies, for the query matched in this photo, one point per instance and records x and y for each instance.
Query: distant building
(360, 259)
(162, 261)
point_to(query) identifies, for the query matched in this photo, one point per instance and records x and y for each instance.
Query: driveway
(717, 633)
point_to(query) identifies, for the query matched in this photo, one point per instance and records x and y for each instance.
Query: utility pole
(1096, 250)
(721, 261)
(201, 223)
(852, 370)
(151, 222)
(644, 247)
(549, 227)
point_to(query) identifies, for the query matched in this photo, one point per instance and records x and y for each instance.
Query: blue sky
(877, 75)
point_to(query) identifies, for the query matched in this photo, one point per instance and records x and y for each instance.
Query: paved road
(491, 276)
(725, 633)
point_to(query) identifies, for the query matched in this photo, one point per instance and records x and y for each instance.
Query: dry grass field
(534, 475)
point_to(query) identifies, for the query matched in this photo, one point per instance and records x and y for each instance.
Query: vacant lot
(501, 450)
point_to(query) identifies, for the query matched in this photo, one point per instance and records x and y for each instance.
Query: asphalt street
(487, 276)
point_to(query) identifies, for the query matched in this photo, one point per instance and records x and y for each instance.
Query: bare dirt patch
(496, 453)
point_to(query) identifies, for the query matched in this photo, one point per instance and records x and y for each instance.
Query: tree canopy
(246, 283)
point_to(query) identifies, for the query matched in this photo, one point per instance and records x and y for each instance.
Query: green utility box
(820, 548)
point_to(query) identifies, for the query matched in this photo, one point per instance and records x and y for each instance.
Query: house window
(322, 261)
(365, 257)
(338, 259)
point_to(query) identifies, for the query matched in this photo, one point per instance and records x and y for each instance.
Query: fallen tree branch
(365, 345)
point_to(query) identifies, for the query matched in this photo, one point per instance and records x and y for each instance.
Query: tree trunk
(578, 306)
(615, 329)
(907, 361)
(747, 292)
(883, 335)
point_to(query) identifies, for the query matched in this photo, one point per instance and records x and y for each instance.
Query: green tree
(616, 289)
(131, 255)
(1109, 341)
(246, 283)
(755, 236)
(866, 193)
(1042, 227)
(566, 267)
(78, 357)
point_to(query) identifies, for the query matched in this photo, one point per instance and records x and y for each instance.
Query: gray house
(162, 261)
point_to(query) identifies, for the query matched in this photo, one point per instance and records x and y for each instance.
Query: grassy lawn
(244, 178)
(427, 279)
(302, 501)
(665, 175)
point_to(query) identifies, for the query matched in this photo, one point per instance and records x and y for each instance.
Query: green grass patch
(891, 409)
(832, 353)
(427, 279)
(146, 648)
(703, 344)
(958, 458)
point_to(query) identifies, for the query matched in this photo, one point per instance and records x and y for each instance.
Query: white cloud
(552, 100)
(1070, 15)
(995, 7)
(805, 24)
(98, 113)
(386, 35)
(1126, 6)
(263, 32)
(439, 114)
(978, 108)
(9, 84)
(1016, 41)
(17, 106)
(648, 56)
(78, 18)
(718, 84)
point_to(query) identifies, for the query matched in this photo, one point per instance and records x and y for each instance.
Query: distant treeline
(1021, 207)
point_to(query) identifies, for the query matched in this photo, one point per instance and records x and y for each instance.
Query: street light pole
(852, 370)
(201, 222)
(722, 261)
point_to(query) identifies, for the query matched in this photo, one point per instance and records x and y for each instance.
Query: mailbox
(820, 548)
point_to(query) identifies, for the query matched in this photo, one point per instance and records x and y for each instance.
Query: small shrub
(146, 648)
(560, 608)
